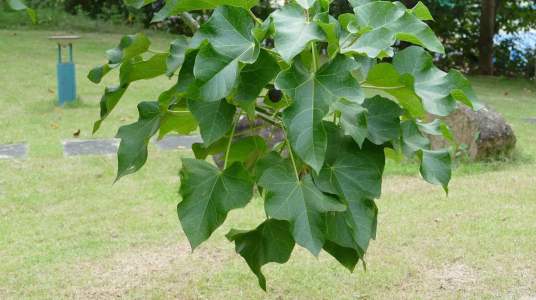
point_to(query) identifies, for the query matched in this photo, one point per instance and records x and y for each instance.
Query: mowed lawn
(67, 232)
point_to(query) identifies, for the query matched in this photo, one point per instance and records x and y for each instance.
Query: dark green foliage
(319, 185)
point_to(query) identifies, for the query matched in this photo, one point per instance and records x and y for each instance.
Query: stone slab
(90, 147)
(176, 142)
(531, 120)
(13, 151)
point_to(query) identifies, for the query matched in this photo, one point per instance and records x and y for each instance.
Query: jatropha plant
(341, 92)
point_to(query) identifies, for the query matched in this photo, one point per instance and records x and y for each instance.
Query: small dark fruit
(275, 95)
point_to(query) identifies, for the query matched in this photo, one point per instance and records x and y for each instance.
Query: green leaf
(313, 94)
(19, 5)
(254, 77)
(382, 24)
(436, 167)
(215, 118)
(353, 120)
(132, 153)
(129, 47)
(202, 152)
(383, 119)
(306, 4)
(174, 7)
(177, 53)
(134, 70)
(297, 201)
(412, 139)
(340, 241)
(216, 75)
(217, 65)
(179, 121)
(421, 11)
(347, 257)
(229, 31)
(96, 74)
(16, 4)
(439, 128)
(357, 3)
(437, 89)
(247, 151)
(293, 31)
(208, 194)
(269, 242)
(462, 90)
(331, 29)
(109, 100)
(352, 172)
(127, 52)
(355, 174)
(385, 77)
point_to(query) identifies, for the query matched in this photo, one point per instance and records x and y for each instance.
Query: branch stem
(190, 21)
(257, 20)
(268, 119)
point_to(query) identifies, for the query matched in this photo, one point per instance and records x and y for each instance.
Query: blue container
(66, 73)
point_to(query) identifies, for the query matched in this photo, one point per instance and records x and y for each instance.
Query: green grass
(67, 232)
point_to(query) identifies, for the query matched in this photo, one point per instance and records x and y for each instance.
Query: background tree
(487, 33)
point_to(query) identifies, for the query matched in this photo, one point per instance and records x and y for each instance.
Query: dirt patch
(455, 277)
(115, 277)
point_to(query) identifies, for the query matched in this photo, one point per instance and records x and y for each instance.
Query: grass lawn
(67, 232)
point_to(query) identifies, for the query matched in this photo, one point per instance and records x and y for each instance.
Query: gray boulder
(485, 133)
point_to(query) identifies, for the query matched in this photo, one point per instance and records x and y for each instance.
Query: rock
(485, 133)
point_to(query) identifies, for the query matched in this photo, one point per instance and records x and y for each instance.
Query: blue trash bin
(66, 70)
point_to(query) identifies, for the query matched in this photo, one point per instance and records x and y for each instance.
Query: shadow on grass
(51, 105)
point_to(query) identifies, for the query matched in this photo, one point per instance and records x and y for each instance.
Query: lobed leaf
(298, 201)
(269, 242)
(438, 90)
(313, 94)
(208, 195)
(436, 167)
(380, 24)
(132, 153)
(293, 31)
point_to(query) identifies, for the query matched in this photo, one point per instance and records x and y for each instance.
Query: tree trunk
(487, 32)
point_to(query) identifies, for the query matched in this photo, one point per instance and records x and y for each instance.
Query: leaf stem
(315, 58)
(155, 51)
(257, 20)
(291, 155)
(382, 87)
(230, 142)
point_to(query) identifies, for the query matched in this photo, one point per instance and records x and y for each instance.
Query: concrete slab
(531, 120)
(176, 142)
(13, 151)
(90, 147)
